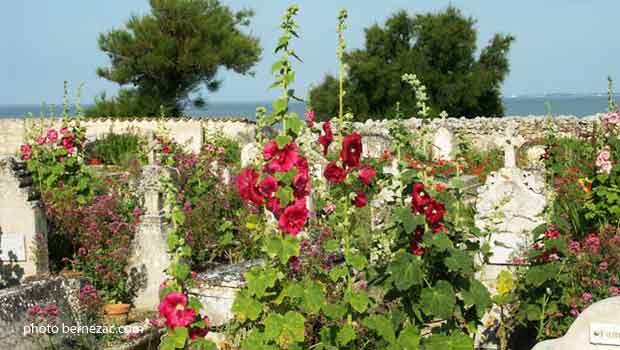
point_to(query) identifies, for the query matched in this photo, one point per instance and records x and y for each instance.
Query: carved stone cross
(509, 142)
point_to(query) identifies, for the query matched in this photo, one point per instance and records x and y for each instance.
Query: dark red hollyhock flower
(366, 174)
(246, 185)
(301, 181)
(326, 140)
(420, 198)
(439, 229)
(414, 247)
(334, 174)
(283, 159)
(351, 150)
(268, 186)
(294, 217)
(360, 200)
(434, 212)
(195, 333)
(273, 204)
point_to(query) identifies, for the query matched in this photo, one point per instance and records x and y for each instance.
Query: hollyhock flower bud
(574, 312)
(366, 174)
(592, 243)
(41, 140)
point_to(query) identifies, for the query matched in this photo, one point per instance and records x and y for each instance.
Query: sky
(561, 45)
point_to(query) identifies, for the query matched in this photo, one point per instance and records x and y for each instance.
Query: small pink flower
(552, 233)
(603, 266)
(310, 118)
(574, 247)
(603, 162)
(41, 140)
(586, 298)
(611, 119)
(592, 243)
(614, 291)
(329, 208)
(26, 151)
(574, 312)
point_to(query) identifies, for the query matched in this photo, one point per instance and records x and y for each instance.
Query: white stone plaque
(605, 334)
(12, 247)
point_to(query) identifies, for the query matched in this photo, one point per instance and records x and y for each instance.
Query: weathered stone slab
(596, 328)
(12, 247)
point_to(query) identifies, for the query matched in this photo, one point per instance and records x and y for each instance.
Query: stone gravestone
(596, 328)
(149, 259)
(23, 227)
(443, 141)
(509, 205)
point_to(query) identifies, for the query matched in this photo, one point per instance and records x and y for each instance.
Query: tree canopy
(440, 49)
(163, 58)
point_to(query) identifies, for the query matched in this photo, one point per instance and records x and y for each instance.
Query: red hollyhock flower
(195, 333)
(366, 174)
(301, 185)
(26, 151)
(351, 150)
(420, 198)
(334, 174)
(326, 140)
(434, 212)
(273, 204)
(246, 185)
(270, 149)
(284, 159)
(360, 200)
(439, 229)
(414, 247)
(174, 309)
(294, 217)
(268, 186)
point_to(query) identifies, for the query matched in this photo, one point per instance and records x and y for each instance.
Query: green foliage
(171, 53)
(440, 49)
(116, 149)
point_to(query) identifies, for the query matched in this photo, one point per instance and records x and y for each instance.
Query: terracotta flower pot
(116, 309)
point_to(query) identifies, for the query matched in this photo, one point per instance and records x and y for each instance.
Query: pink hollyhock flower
(366, 174)
(41, 140)
(592, 243)
(360, 200)
(326, 140)
(614, 291)
(574, 312)
(351, 150)
(552, 233)
(574, 247)
(434, 212)
(26, 151)
(284, 159)
(52, 136)
(603, 266)
(310, 118)
(301, 184)
(273, 204)
(294, 217)
(603, 162)
(67, 143)
(586, 298)
(246, 185)
(174, 308)
(64, 131)
(268, 186)
(334, 174)
(329, 208)
(610, 119)
(270, 150)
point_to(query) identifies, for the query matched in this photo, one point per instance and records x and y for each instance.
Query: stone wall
(192, 130)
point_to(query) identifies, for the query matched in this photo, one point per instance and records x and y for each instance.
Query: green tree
(440, 49)
(168, 55)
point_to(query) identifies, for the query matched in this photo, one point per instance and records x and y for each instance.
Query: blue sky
(561, 46)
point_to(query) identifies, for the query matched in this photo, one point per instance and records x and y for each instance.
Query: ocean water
(565, 104)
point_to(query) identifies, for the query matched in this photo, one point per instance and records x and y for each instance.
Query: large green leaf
(359, 300)
(457, 341)
(405, 271)
(246, 307)
(477, 296)
(346, 335)
(538, 275)
(438, 301)
(460, 261)
(382, 326)
(259, 279)
(409, 338)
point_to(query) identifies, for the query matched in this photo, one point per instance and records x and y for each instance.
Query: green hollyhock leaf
(283, 140)
(382, 326)
(441, 241)
(460, 261)
(346, 334)
(180, 335)
(313, 296)
(538, 275)
(457, 341)
(409, 338)
(358, 262)
(477, 296)
(293, 330)
(405, 271)
(279, 107)
(334, 311)
(284, 248)
(274, 323)
(285, 195)
(258, 280)
(179, 270)
(245, 307)
(438, 301)
(338, 272)
(331, 246)
(359, 300)
(408, 219)
(256, 340)
(195, 304)
(293, 123)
